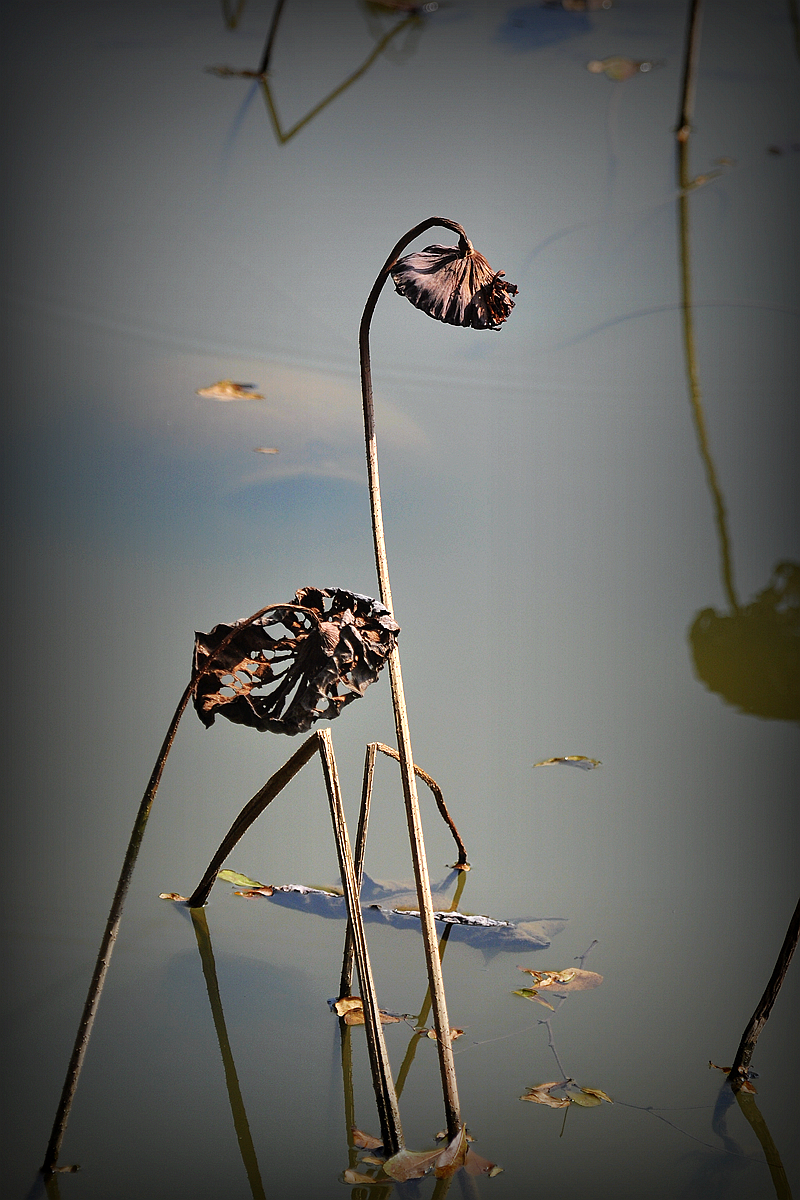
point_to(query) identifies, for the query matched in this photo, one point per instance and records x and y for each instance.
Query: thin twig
(263, 66)
(346, 981)
(441, 1022)
(440, 804)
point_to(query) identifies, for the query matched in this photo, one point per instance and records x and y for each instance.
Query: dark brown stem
(107, 944)
(759, 1018)
(263, 66)
(441, 1022)
(115, 914)
(346, 981)
(251, 811)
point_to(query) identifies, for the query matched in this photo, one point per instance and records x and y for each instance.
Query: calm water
(552, 538)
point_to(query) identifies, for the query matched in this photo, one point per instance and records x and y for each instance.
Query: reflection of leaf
(351, 1176)
(476, 1164)
(226, 389)
(365, 1141)
(541, 1094)
(334, 646)
(572, 979)
(618, 68)
(239, 879)
(571, 760)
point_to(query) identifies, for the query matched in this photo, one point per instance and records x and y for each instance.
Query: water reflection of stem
(263, 66)
(282, 137)
(747, 1103)
(422, 1018)
(240, 1122)
(429, 937)
(385, 1096)
(685, 184)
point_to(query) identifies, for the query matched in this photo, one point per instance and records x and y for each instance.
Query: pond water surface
(558, 513)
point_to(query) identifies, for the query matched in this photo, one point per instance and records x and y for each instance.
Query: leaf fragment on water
(571, 760)
(542, 1094)
(476, 1164)
(431, 1033)
(410, 1164)
(365, 1141)
(266, 449)
(351, 1008)
(596, 1092)
(239, 879)
(346, 1004)
(226, 389)
(532, 994)
(572, 979)
(453, 1157)
(173, 896)
(251, 893)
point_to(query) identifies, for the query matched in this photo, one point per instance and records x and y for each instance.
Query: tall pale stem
(429, 938)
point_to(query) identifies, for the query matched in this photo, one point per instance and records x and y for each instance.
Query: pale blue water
(551, 539)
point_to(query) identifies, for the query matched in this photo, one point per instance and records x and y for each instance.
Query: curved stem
(430, 943)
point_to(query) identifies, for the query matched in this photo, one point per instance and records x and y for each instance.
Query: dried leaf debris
(571, 760)
(226, 389)
(333, 645)
(455, 284)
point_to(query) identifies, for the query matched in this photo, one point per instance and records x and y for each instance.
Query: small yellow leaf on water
(365, 1141)
(172, 896)
(226, 389)
(597, 1092)
(571, 760)
(532, 994)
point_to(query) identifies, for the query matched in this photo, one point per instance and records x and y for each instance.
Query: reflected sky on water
(553, 541)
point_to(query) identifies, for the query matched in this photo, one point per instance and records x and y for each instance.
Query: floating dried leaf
(541, 1094)
(431, 1033)
(327, 657)
(598, 1093)
(226, 389)
(173, 896)
(365, 1141)
(571, 760)
(266, 449)
(618, 68)
(572, 979)
(532, 994)
(453, 1157)
(347, 1004)
(455, 284)
(252, 893)
(410, 1164)
(239, 879)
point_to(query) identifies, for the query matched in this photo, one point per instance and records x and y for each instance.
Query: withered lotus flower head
(455, 284)
(296, 664)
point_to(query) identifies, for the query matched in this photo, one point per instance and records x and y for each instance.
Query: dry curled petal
(455, 284)
(296, 664)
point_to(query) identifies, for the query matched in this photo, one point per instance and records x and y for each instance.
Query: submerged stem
(439, 1005)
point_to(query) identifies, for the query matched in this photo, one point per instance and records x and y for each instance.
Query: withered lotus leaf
(296, 664)
(453, 1156)
(541, 1094)
(455, 284)
(572, 979)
